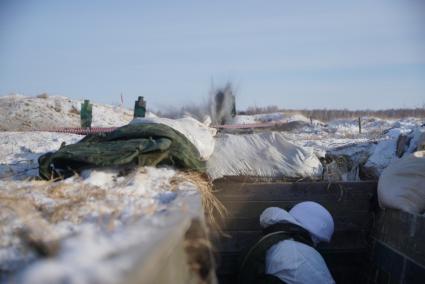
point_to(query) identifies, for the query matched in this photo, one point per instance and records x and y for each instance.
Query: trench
(369, 245)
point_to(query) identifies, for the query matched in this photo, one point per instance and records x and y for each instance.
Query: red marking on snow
(85, 131)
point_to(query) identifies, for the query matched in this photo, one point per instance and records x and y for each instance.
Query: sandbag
(402, 184)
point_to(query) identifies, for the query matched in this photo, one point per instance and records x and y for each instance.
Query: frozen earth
(18, 112)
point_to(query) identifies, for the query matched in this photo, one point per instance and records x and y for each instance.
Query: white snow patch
(99, 178)
(244, 119)
(19, 151)
(268, 117)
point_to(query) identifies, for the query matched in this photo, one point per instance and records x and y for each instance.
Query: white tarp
(266, 154)
(196, 132)
(402, 184)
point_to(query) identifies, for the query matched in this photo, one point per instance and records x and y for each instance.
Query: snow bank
(267, 154)
(196, 132)
(103, 222)
(26, 113)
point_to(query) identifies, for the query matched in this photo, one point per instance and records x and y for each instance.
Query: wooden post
(360, 125)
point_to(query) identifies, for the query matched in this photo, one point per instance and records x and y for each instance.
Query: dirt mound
(21, 113)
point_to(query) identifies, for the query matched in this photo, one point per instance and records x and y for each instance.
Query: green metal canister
(86, 114)
(140, 107)
(233, 106)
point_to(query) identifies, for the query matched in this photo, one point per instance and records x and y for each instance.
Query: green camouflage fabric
(130, 145)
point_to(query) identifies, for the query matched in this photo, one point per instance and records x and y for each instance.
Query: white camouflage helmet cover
(274, 215)
(315, 218)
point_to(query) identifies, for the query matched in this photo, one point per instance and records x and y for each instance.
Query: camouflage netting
(130, 145)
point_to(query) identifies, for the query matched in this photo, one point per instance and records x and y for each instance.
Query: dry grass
(36, 217)
(34, 230)
(338, 168)
(43, 96)
(74, 110)
(210, 203)
(31, 209)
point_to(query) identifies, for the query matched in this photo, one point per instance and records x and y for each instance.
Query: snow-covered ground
(98, 218)
(378, 138)
(367, 153)
(268, 117)
(19, 151)
(93, 225)
(96, 225)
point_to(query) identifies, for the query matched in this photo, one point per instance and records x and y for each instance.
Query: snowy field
(85, 229)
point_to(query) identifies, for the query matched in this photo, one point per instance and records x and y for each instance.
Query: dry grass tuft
(74, 110)
(32, 212)
(28, 205)
(210, 203)
(34, 231)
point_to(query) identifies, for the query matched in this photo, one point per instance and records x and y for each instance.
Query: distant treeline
(330, 114)
(197, 111)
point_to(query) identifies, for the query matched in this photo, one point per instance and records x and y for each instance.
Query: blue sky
(294, 54)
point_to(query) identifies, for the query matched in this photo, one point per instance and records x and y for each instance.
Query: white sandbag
(402, 184)
(196, 132)
(383, 154)
(418, 140)
(266, 154)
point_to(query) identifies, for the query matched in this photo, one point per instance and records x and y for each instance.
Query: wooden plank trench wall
(350, 203)
(398, 248)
